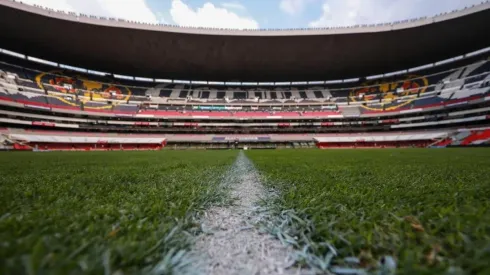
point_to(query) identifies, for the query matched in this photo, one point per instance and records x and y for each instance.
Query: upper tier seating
(42, 86)
(95, 87)
(23, 97)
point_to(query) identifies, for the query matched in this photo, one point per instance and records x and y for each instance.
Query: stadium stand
(34, 140)
(476, 137)
(381, 90)
(442, 105)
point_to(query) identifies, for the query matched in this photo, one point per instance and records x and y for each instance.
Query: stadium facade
(86, 83)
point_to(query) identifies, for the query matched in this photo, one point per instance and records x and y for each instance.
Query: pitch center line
(235, 245)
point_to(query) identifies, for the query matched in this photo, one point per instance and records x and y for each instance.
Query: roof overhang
(225, 55)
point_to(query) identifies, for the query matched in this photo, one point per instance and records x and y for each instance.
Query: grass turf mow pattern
(428, 209)
(100, 213)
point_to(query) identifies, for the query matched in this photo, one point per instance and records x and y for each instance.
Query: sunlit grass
(99, 213)
(428, 209)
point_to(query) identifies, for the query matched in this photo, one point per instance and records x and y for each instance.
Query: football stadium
(139, 148)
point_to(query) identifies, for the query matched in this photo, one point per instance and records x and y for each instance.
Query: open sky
(248, 14)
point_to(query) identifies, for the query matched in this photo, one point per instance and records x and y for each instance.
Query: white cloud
(209, 16)
(293, 7)
(353, 12)
(133, 10)
(233, 5)
(52, 4)
(325, 18)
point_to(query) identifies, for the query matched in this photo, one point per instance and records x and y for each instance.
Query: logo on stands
(63, 83)
(389, 92)
(113, 92)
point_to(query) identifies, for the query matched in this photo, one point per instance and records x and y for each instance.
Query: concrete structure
(160, 51)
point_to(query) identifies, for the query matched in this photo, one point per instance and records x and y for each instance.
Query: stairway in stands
(441, 143)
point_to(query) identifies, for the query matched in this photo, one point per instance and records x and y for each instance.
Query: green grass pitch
(87, 213)
(430, 209)
(93, 212)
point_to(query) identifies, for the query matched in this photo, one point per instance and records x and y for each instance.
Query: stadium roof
(162, 51)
